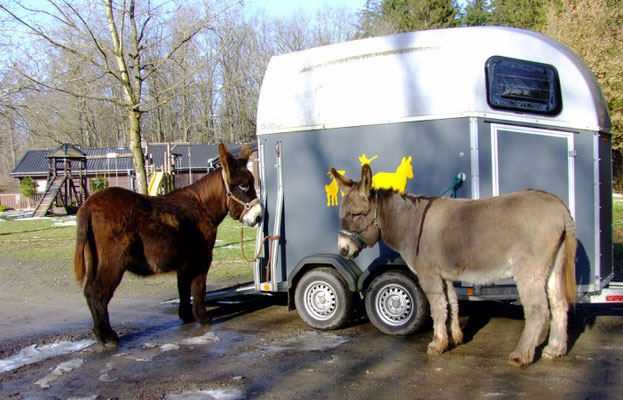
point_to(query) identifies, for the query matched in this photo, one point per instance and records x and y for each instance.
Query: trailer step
(231, 291)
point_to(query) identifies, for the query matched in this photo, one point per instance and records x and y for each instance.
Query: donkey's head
(405, 167)
(242, 200)
(358, 213)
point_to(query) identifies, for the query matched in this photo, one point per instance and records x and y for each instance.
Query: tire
(396, 305)
(323, 300)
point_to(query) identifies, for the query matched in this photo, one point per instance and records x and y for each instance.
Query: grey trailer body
(423, 108)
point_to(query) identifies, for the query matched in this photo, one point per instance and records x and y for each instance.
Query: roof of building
(118, 159)
(67, 151)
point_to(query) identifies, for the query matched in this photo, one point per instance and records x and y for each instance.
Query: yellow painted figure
(382, 180)
(332, 190)
(394, 180)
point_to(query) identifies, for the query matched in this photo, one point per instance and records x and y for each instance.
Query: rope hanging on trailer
(456, 183)
(272, 243)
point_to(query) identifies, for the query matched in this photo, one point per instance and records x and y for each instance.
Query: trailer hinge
(573, 153)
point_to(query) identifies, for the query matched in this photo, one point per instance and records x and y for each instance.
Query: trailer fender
(377, 267)
(347, 269)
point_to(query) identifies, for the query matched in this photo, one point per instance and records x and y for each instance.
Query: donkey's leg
(198, 288)
(559, 305)
(453, 303)
(534, 301)
(183, 287)
(434, 291)
(98, 291)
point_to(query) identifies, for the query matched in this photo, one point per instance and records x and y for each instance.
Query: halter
(355, 235)
(230, 196)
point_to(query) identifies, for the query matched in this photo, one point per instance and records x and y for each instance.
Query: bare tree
(116, 41)
(166, 70)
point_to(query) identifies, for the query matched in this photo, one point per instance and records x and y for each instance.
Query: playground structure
(162, 179)
(67, 180)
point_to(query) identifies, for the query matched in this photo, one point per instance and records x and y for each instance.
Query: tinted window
(522, 86)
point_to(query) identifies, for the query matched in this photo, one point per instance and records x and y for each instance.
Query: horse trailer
(472, 112)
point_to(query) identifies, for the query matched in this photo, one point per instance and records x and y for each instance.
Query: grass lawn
(45, 246)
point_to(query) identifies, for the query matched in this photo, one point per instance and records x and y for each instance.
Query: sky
(282, 8)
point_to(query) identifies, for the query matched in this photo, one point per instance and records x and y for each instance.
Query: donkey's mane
(387, 193)
(206, 186)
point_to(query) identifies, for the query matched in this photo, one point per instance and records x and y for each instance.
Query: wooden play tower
(67, 180)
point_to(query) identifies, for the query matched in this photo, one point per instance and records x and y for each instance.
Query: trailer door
(525, 158)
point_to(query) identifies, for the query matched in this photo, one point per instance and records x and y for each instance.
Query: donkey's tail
(570, 246)
(83, 222)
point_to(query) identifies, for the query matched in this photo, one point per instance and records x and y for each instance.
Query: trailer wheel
(396, 305)
(323, 299)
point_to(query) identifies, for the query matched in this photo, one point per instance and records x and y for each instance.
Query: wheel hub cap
(320, 300)
(394, 304)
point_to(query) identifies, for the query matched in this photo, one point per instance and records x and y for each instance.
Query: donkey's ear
(245, 153)
(342, 182)
(227, 160)
(366, 180)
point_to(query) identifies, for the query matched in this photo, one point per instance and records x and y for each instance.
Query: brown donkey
(528, 235)
(121, 230)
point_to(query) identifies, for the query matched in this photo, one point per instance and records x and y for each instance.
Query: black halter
(230, 196)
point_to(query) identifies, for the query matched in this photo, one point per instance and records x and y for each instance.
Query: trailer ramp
(50, 194)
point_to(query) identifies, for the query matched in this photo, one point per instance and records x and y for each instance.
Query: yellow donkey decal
(332, 190)
(394, 180)
(382, 180)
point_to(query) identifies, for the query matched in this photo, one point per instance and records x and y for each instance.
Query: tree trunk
(134, 119)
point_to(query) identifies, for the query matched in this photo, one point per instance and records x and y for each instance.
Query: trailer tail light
(614, 298)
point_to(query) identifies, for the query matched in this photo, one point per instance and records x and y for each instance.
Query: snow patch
(94, 397)
(65, 223)
(209, 337)
(67, 366)
(169, 347)
(221, 394)
(308, 341)
(34, 353)
(105, 377)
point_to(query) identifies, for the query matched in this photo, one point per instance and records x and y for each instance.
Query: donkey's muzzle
(348, 247)
(253, 215)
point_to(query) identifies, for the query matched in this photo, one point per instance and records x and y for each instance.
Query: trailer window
(522, 86)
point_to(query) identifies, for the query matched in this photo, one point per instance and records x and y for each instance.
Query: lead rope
(270, 253)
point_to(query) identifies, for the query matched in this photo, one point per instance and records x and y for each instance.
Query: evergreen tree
(371, 20)
(382, 17)
(476, 13)
(525, 14)
(414, 15)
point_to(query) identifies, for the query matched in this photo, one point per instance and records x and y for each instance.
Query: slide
(154, 184)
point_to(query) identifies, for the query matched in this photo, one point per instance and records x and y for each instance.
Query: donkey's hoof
(553, 352)
(516, 361)
(187, 317)
(111, 344)
(457, 337)
(435, 349)
(109, 340)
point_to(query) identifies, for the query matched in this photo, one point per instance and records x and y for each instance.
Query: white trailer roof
(417, 75)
